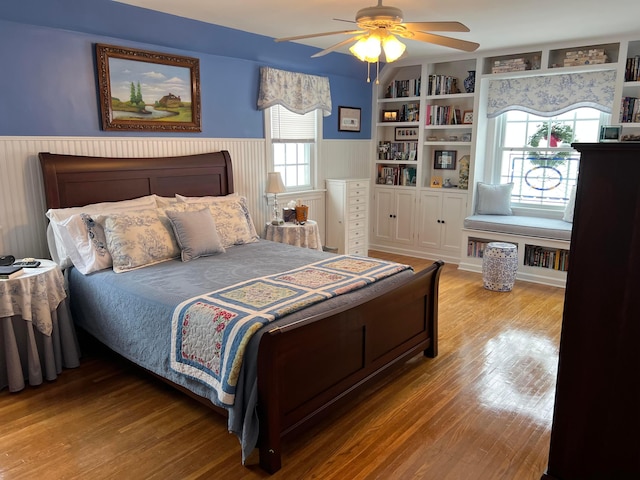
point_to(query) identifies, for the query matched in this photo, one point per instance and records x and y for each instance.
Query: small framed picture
(465, 137)
(467, 116)
(348, 119)
(390, 115)
(406, 133)
(610, 133)
(445, 160)
(436, 181)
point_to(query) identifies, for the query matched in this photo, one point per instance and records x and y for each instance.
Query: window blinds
(287, 126)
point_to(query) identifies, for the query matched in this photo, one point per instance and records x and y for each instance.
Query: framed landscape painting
(143, 90)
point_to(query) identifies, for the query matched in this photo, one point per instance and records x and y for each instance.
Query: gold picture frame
(169, 100)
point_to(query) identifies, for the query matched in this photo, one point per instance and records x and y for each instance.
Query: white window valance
(550, 95)
(299, 92)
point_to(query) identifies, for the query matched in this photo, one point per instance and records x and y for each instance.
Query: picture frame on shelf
(467, 117)
(349, 119)
(444, 159)
(610, 133)
(131, 100)
(465, 137)
(436, 181)
(406, 133)
(390, 115)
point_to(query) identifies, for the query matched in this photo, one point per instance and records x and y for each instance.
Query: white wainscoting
(22, 203)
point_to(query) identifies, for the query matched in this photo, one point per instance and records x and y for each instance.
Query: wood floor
(481, 410)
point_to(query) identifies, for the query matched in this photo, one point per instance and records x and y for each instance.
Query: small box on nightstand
(289, 215)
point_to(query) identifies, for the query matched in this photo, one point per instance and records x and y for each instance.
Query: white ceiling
(494, 24)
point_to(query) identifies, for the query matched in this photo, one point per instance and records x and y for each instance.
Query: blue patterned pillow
(139, 239)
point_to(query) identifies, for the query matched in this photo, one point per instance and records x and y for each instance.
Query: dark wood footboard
(307, 368)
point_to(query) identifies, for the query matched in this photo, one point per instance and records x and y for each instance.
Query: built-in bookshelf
(402, 151)
(544, 257)
(401, 175)
(402, 88)
(476, 247)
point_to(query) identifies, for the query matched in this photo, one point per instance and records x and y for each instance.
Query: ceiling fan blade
(312, 35)
(436, 26)
(440, 40)
(336, 46)
(343, 20)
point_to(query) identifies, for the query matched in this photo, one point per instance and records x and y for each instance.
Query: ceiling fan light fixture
(393, 48)
(367, 49)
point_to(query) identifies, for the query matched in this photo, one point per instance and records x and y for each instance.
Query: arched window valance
(550, 95)
(299, 92)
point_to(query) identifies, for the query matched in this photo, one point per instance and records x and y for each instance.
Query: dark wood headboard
(73, 180)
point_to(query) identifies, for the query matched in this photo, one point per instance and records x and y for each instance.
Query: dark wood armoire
(596, 420)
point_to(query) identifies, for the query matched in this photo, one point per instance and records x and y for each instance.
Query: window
(543, 167)
(293, 142)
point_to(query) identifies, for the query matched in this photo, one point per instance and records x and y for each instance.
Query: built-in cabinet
(348, 215)
(426, 120)
(441, 219)
(393, 218)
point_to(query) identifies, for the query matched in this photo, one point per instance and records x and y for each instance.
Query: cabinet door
(429, 219)
(454, 208)
(385, 209)
(405, 205)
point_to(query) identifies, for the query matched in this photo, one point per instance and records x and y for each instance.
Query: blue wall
(48, 84)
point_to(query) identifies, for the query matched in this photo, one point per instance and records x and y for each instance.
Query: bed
(296, 368)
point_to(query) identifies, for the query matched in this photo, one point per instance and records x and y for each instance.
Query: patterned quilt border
(210, 332)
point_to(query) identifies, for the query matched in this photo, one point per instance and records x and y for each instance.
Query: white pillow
(90, 253)
(195, 233)
(494, 199)
(138, 239)
(210, 199)
(164, 202)
(59, 249)
(568, 211)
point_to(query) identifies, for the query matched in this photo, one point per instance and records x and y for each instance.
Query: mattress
(131, 312)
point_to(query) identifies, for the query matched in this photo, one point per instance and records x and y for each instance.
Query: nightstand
(307, 235)
(36, 327)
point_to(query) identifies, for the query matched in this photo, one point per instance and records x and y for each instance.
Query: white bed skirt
(30, 356)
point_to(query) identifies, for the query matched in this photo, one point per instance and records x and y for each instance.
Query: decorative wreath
(560, 133)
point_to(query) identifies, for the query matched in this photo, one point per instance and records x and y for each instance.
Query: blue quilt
(209, 333)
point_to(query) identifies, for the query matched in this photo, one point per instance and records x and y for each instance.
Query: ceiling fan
(376, 29)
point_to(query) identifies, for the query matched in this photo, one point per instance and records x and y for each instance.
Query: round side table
(307, 235)
(36, 327)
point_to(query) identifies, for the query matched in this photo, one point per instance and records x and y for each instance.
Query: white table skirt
(37, 338)
(29, 354)
(307, 235)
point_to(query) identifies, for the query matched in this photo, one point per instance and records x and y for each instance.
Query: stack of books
(510, 65)
(592, 56)
(9, 272)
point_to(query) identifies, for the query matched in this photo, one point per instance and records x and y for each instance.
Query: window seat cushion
(521, 225)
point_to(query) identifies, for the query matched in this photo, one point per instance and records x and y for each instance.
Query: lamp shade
(367, 49)
(274, 183)
(393, 48)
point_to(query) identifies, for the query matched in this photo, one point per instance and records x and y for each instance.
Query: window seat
(539, 241)
(520, 225)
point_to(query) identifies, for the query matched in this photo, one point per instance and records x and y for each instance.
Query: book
(10, 272)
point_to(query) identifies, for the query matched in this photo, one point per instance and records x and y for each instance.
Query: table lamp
(275, 186)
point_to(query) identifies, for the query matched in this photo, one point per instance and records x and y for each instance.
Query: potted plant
(560, 133)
